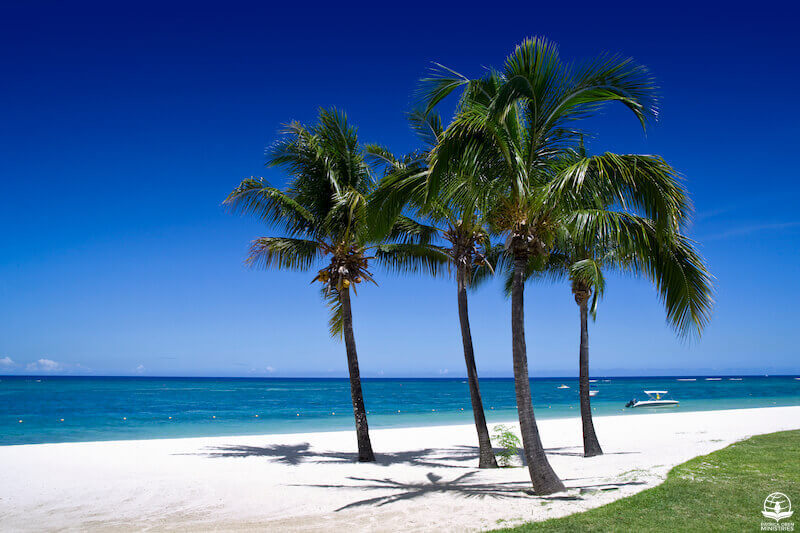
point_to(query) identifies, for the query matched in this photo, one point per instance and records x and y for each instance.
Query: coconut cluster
(344, 269)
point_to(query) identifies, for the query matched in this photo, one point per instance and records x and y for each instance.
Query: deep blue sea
(69, 409)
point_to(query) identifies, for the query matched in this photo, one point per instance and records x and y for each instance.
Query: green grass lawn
(722, 491)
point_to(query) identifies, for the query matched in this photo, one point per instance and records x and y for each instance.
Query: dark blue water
(94, 408)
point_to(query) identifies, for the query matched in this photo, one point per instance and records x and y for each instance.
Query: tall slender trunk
(544, 479)
(486, 455)
(591, 446)
(362, 429)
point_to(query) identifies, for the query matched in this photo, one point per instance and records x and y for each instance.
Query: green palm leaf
(283, 253)
(272, 206)
(412, 258)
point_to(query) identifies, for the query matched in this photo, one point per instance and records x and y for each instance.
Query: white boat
(734, 379)
(563, 387)
(713, 379)
(686, 379)
(655, 398)
(593, 392)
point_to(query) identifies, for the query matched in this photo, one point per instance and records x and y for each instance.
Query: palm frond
(399, 189)
(270, 205)
(440, 83)
(427, 126)
(412, 258)
(283, 253)
(334, 303)
(683, 282)
(640, 183)
(406, 230)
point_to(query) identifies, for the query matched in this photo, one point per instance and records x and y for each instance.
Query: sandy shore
(425, 478)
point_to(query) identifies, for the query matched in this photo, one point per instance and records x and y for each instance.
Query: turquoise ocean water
(112, 408)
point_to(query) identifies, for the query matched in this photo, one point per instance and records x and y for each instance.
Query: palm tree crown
(323, 211)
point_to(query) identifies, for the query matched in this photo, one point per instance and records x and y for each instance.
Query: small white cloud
(270, 369)
(140, 369)
(45, 365)
(443, 371)
(6, 362)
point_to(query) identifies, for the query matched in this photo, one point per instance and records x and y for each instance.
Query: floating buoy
(124, 417)
(298, 414)
(61, 420)
(462, 408)
(333, 413)
(170, 418)
(213, 416)
(398, 410)
(20, 421)
(256, 416)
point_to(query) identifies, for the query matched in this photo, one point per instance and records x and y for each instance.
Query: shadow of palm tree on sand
(465, 485)
(294, 454)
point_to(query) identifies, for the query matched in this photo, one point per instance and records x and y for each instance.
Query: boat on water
(734, 379)
(713, 379)
(593, 392)
(655, 398)
(563, 387)
(686, 379)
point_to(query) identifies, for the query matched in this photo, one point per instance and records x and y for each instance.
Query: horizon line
(598, 376)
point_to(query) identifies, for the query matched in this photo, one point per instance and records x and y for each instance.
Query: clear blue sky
(124, 125)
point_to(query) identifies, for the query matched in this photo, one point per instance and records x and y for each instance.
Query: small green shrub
(508, 441)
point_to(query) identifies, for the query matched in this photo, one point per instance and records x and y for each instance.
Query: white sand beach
(425, 478)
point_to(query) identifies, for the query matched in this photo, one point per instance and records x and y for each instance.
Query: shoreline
(424, 479)
(506, 417)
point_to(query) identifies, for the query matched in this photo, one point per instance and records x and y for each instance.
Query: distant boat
(713, 379)
(593, 392)
(592, 381)
(562, 387)
(606, 381)
(686, 379)
(734, 379)
(655, 398)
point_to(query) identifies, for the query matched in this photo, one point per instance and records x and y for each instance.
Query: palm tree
(664, 255)
(516, 130)
(322, 212)
(463, 229)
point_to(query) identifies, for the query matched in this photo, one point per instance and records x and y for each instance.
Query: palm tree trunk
(362, 429)
(486, 455)
(591, 446)
(544, 479)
